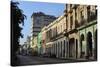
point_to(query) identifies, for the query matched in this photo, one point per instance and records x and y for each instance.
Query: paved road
(34, 60)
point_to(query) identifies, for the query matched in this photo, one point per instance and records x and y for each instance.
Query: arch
(81, 46)
(58, 49)
(64, 47)
(71, 47)
(89, 44)
(53, 49)
(61, 49)
(95, 38)
(76, 48)
(82, 36)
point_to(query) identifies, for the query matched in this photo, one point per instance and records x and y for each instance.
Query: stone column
(57, 50)
(73, 18)
(61, 49)
(51, 49)
(65, 49)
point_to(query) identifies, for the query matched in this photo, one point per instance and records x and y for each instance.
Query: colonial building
(88, 32)
(82, 25)
(39, 20)
(53, 38)
(43, 40)
(73, 35)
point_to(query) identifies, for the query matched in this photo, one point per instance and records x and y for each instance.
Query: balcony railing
(83, 21)
(89, 19)
(92, 17)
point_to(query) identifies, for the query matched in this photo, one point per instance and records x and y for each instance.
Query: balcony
(92, 17)
(82, 22)
(74, 6)
(65, 32)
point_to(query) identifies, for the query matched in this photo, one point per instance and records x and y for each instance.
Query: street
(35, 60)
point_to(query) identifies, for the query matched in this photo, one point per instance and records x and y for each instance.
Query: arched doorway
(71, 47)
(82, 51)
(53, 49)
(64, 47)
(61, 49)
(96, 38)
(95, 51)
(58, 50)
(76, 48)
(89, 44)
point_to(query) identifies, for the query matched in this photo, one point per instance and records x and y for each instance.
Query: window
(71, 22)
(64, 49)
(82, 18)
(64, 26)
(70, 5)
(82, 15)
(82, 47)
(89, 44)
(38, 20)
(75, 14)
(56, 31)
(88, 13)
(61, 28)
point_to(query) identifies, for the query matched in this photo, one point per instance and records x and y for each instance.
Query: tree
(17, 18)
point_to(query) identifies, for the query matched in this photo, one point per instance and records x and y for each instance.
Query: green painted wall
(84, 31)
(39, 42)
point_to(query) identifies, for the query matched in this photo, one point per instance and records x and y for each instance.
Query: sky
(28, 7)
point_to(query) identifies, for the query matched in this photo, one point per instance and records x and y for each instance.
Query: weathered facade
(81, 31)
(43, 40)
(73, 35)
(39, 20)
(53, 38)
(39, 43)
